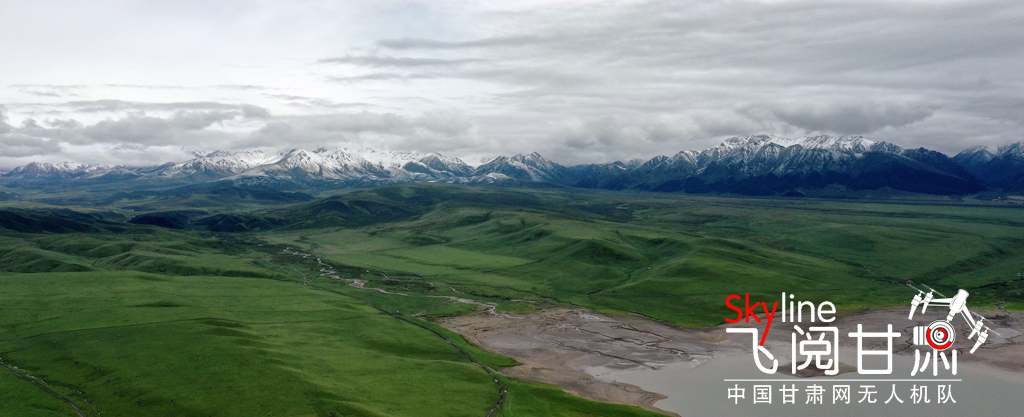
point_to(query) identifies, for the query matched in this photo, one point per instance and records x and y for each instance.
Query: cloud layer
(578, 82)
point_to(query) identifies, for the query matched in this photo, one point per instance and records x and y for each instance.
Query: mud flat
(678, 371)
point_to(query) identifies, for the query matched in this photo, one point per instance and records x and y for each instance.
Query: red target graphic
(940, 334)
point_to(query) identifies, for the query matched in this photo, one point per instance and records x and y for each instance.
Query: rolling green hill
(671, 258)
(158, 322)
(216, 318)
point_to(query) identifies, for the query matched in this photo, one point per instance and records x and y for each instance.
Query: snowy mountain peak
(737, 158)
(855, 144)
(359, 166)
(47, 170)
(976, 149)
(443, 163)
(1012, 150)
(633, 162)
(849, 143)
(974, 156)
(690, 156)
(217, 154)
(535, 160)
(532, 167)
(744, 141)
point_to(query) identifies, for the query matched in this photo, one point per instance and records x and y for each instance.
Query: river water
(703, 390)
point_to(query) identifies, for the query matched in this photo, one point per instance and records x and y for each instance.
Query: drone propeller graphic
(957, 305)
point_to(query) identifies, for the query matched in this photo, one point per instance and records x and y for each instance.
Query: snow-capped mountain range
(335, 165)
(1003, 168)
(759, 164)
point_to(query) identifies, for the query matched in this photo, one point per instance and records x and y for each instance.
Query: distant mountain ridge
(339, 166)
(750, 165)
(766, 165)
(1003, 168)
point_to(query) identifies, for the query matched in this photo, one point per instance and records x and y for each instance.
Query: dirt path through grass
(329, 271)
(42, 385)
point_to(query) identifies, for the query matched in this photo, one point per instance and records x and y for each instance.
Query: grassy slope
(22, 399)
(676, 258)
(117, 321)
(170, 323)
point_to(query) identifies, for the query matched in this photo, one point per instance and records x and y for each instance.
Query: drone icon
(940, 334)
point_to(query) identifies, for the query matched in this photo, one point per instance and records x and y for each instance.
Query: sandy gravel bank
(587, 353)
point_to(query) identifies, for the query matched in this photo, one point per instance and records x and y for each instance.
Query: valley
(379, 302)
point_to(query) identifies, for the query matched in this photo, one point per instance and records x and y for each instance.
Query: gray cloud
(785, 68)
(391, 61)
(17, 145)
(577, 82)
(110, 105)
(441, 131)
(254, 112)
(420, 43)
(848, 118)
(142, 129)
(4, 127)
(51, 90)
(64, 124)
(378, 76)
(43, 93)
(18, 142)
(347, 124)
(621, 138)
(318, 102)
(136, 130)
(249, 87)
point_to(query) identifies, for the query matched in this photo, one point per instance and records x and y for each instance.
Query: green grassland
(168, 323)
(128, 320)
(677, 258)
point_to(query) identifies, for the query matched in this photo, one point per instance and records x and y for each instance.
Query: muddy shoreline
(588, 354)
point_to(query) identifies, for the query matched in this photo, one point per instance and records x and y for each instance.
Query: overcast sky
(122, 82)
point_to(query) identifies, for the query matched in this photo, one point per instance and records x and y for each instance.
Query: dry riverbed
(590, 354)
